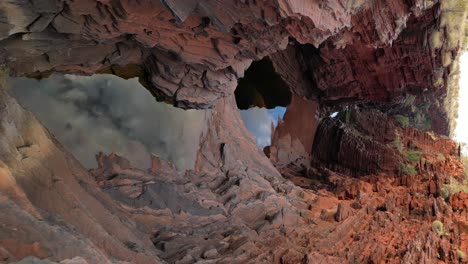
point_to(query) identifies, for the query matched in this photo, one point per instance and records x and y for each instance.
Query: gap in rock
(260, 122)
(262, 87)
(262, 97)
(105, 113)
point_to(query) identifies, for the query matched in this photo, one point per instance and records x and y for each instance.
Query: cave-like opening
(105, 113)
(262, 97)
(262, 86)
(261, 122)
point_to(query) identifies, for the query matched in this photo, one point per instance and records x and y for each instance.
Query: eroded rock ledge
(362, 189)
(192, 52)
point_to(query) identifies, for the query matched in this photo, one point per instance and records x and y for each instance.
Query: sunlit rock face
(104, 113)
(365, 186)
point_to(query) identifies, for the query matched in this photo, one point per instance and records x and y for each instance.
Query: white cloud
(461, 131)
(109, 114)
(258, 122)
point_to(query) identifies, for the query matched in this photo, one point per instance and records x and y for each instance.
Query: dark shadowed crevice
(262, 87)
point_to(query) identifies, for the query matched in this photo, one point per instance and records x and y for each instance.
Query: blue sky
(258, 122)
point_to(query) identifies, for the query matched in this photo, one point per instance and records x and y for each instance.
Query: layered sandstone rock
(235, 207)
(192, 52)
(52, 208)
(346, 190)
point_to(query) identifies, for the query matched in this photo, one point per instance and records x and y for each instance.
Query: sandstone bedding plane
(377, 181)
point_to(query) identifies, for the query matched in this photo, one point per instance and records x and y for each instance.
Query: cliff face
(356, 188)
(193, 53)
(234, 207)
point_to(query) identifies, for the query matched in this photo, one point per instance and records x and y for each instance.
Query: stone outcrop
(55, 210)
(232, 207)
(191, 53)
(356, 188)
(293, 138)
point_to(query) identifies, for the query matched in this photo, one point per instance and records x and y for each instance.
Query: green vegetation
(412, 113)
(440, 157)
(407, 169)
(454, 187)
(402, 120)
(464, 161)
(409, 100)
(438, 227)
(445, 191)
(422, 121)
(461, 255)
(413, 155)
(428, 161)
(417, 116)
(345, 116)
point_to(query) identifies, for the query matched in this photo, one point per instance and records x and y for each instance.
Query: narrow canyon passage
(281, 131)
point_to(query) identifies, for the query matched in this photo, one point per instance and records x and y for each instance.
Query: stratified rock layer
(234, 207)
(192, 52)
(369, 191)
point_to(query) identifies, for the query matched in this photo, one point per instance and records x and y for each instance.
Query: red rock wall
(235, 207)
(193, 52)
(293, 138)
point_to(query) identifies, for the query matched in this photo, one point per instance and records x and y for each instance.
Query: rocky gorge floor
(380, 182)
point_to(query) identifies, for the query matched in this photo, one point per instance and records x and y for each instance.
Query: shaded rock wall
(235, 206)
(293, 138)
(369, 141)
(356, 66)
(362, 143)
(261, 86)
(55, 210)
(192, 53)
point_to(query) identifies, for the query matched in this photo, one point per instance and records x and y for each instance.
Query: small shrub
(407, 169)
(345, 116)
(461, 255)
(441, 157)
(454, 187)
(438, 227)
(413, 155)
(422, 122)
(445, 191)
(464, 159)
(402, 120)
(409, 100)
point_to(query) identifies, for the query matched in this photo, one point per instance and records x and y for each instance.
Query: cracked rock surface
(329, 190)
